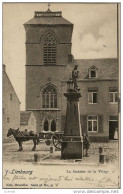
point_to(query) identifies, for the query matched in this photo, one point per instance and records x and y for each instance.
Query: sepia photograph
(61, 96)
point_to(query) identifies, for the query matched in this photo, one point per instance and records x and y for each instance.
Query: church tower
(48, 51)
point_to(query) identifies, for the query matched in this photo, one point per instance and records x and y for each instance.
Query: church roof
(48, 18)
(24, 117)
(107, 68)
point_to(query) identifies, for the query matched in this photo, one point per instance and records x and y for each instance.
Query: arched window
(49, 50)
(46, 125)
(49, 97)
(53, 125)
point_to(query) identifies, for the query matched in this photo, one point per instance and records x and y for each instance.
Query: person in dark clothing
(86, 144)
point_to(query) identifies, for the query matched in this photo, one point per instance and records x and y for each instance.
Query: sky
(94, 34)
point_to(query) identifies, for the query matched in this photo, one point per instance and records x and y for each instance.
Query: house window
(92, 95)
(93, 123)
(50, 50)
(93, 72)
(113, 95)
(8, 120)
(10, 96)
(49, 97)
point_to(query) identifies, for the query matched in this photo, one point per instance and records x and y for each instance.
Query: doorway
(46, 125)
(53, 126)
(113, 128)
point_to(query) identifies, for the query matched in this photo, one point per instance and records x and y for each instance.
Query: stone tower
(48, 51)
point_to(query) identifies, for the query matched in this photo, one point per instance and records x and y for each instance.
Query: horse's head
(10, 132)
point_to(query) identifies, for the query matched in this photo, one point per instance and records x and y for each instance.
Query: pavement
(55, 159)
(11, 154)
(52, 172)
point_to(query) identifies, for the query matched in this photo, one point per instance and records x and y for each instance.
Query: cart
(51, 138)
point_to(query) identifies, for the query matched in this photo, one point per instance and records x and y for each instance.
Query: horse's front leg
(20, 146)
(34, 147)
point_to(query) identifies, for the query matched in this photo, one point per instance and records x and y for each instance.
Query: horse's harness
(17, 133)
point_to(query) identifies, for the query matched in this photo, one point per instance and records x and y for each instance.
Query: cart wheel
(57, 141)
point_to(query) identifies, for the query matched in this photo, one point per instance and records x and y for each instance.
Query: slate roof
(107, 68)
(24, 117)
(55, 19)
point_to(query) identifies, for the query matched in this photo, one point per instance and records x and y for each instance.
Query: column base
(72, 150)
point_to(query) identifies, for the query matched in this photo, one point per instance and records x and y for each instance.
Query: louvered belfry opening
(49, 50)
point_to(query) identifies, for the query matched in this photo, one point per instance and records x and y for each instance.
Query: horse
(22, 136)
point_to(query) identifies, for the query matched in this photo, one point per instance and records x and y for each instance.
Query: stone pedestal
(72, 150)
(72, 143)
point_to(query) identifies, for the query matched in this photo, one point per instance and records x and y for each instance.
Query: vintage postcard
(61, 96)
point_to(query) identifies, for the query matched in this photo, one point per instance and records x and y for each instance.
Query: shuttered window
(93, 123)
(100, 124)
(113, 95)
(92, 95)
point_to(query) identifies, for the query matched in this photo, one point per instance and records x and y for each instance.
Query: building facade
(27, 121)
(49, 64)
(11, 106)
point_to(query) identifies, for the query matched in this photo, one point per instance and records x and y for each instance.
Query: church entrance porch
(49, 125)
(50, 120)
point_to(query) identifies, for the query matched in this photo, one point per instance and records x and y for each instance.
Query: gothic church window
(50, 50)
(49, 97)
